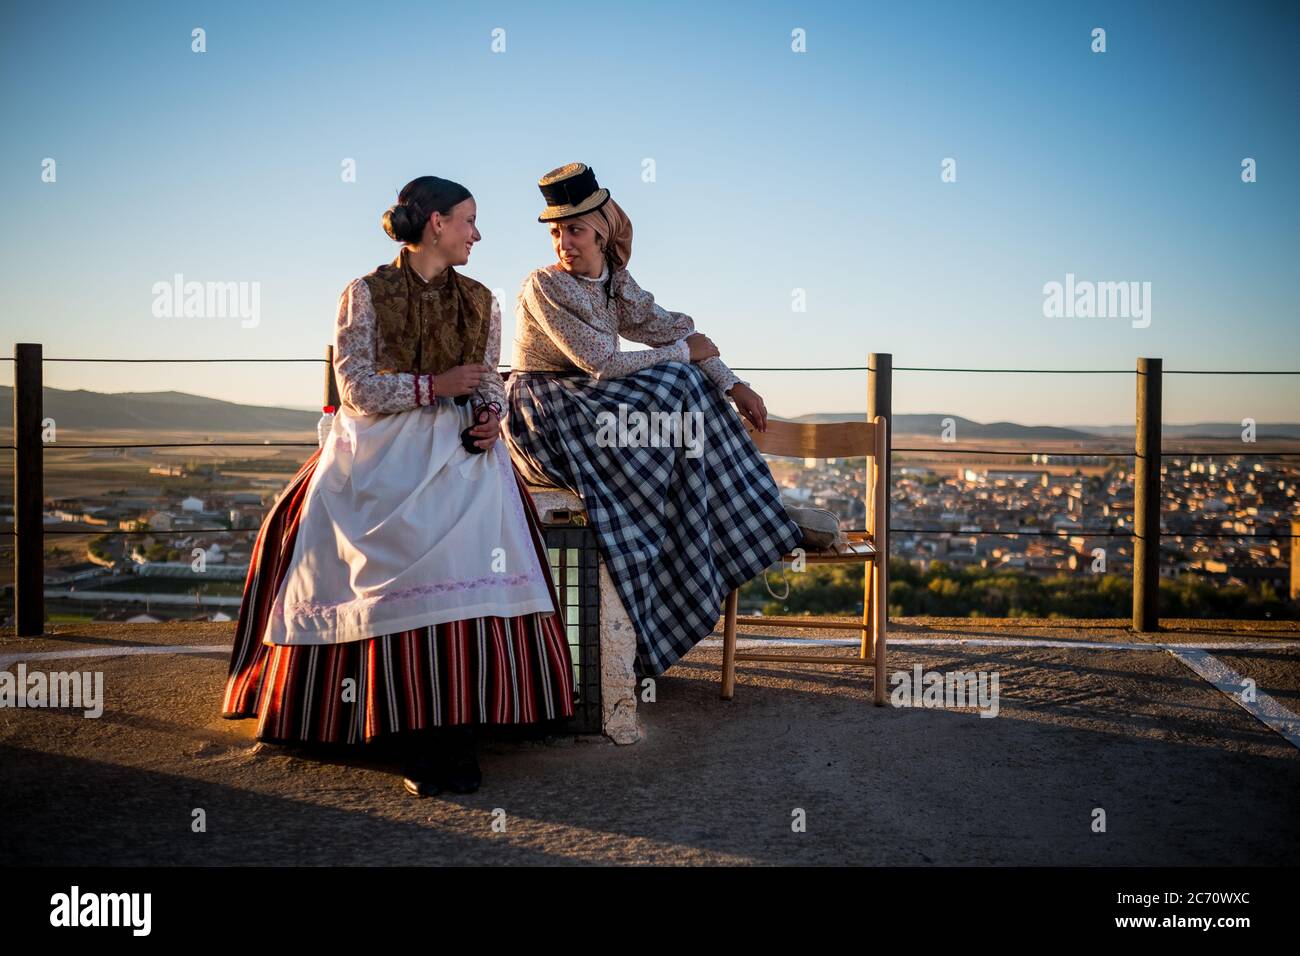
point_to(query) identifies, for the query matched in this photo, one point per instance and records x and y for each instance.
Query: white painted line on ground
(123, 651)
(751, 642)
(1263, 708)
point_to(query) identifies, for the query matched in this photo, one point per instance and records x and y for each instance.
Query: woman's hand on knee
(701, 347)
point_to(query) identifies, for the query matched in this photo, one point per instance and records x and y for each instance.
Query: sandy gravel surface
(1183, 774)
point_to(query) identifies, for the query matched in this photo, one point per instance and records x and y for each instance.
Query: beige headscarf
(613, 226)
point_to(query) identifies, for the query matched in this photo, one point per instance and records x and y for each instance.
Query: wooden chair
(868, 548)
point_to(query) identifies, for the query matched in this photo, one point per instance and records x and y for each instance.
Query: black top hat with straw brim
(570, 190)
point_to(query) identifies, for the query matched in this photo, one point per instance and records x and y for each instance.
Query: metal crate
(573, 556)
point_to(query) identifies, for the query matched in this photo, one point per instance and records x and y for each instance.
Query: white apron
(401, 528)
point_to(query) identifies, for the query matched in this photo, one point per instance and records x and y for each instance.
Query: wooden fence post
(1146, 498)
(331, 383)
(880, 401)
(1295, 559)
(29, 493)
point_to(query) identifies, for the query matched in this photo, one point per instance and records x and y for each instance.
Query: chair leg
(868, 570)
(880, 626)
(729, 646)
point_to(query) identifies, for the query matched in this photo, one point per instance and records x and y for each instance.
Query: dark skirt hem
(491, 671)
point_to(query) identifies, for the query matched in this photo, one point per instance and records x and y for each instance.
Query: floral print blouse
(566, 322)
(369, 392)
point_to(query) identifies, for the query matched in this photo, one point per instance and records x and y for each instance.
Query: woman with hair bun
(399, 588)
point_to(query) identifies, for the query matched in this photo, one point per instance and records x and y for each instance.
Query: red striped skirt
(496, 670)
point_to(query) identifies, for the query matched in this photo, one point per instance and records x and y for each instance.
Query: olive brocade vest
(424, 327)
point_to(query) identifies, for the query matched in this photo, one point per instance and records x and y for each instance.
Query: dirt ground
(1183, 774)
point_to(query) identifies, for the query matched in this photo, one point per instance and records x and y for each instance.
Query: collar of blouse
(604, 274)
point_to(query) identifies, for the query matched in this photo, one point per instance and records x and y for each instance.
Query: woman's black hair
(404, 221)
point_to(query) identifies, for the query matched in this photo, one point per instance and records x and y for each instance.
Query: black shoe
(460, 770)
(420, 777)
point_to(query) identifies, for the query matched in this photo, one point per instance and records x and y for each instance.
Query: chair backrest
(816, 439)
(834, 440)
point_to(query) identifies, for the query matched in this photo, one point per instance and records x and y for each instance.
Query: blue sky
(775, 170)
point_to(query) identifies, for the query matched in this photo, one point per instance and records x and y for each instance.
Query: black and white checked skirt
(678, 529)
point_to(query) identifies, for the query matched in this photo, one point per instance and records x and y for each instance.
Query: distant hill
(164, 411)
(932, 425)
(180, 411)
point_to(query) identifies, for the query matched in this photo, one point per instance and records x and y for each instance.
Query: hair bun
(416, 203)
(400, 223)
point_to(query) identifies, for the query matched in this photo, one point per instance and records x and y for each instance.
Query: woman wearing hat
(679, 527)
(400, 588)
